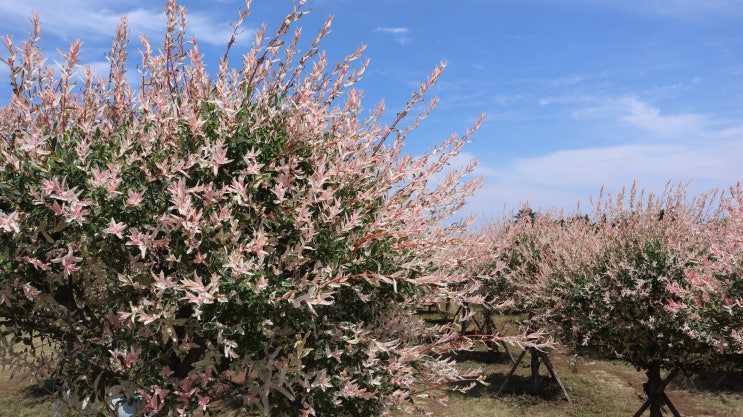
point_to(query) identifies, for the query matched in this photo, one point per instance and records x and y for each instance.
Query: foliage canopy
(247, 234)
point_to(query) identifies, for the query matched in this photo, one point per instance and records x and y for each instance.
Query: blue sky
(578, 93)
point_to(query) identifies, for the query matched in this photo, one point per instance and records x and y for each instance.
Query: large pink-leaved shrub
(614, 299)
(619, 295)
(249, 234)
(523, 253)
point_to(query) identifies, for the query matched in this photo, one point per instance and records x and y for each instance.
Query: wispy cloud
(394, 31)
(649, 118)
(632, 111)
(657, 147)
(400, 33)
(79, 18)
(87, 20)
(566, 99)
(684, 9)
(566, 81)
(97, 68)
(205, 29)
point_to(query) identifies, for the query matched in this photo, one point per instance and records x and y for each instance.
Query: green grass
(598, 388)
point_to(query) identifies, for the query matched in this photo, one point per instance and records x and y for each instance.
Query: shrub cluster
(247, 235)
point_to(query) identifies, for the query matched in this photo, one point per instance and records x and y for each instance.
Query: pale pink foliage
(647, 278)
(712, 297)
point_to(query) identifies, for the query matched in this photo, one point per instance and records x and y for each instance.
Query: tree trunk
(654, 389)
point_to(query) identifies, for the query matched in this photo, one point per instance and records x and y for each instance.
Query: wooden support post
(510, 373)
(510, 356)
(671, 406)
(464, 309)
(535, 369)
(551, 369)
(536, 356)
(456, 313)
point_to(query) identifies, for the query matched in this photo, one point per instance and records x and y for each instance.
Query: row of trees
(652, 280)
(252, 235)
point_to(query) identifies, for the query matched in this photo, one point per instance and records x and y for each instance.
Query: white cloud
(657, 147)
(634, 141)
(77, 18)
(563, 178)
(650, 121)
(206, 30)
(394, 31)
(141, 21)
(400, 33)
(649, 118)
(566, 81)
(566, 99)
(97, 68)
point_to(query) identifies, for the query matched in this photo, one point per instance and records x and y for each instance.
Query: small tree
(524, 252)
(248, 234)
(614, 298)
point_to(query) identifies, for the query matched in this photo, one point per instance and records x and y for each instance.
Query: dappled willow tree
(247, 234)
(523, 251)
(615, 298)
(656, 281)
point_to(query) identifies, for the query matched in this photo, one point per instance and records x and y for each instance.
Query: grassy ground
(20, 397)
(596, 387)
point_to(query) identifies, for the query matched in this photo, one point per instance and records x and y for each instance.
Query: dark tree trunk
(654, 390)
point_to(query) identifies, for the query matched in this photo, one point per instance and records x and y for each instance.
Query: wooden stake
(536, 354)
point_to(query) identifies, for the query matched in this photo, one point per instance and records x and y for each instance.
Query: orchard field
(256, 242)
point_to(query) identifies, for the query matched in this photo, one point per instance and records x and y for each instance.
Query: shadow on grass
(722, 381)
(488, 357)
(519, 387)
(712, 381)
(41, 391)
